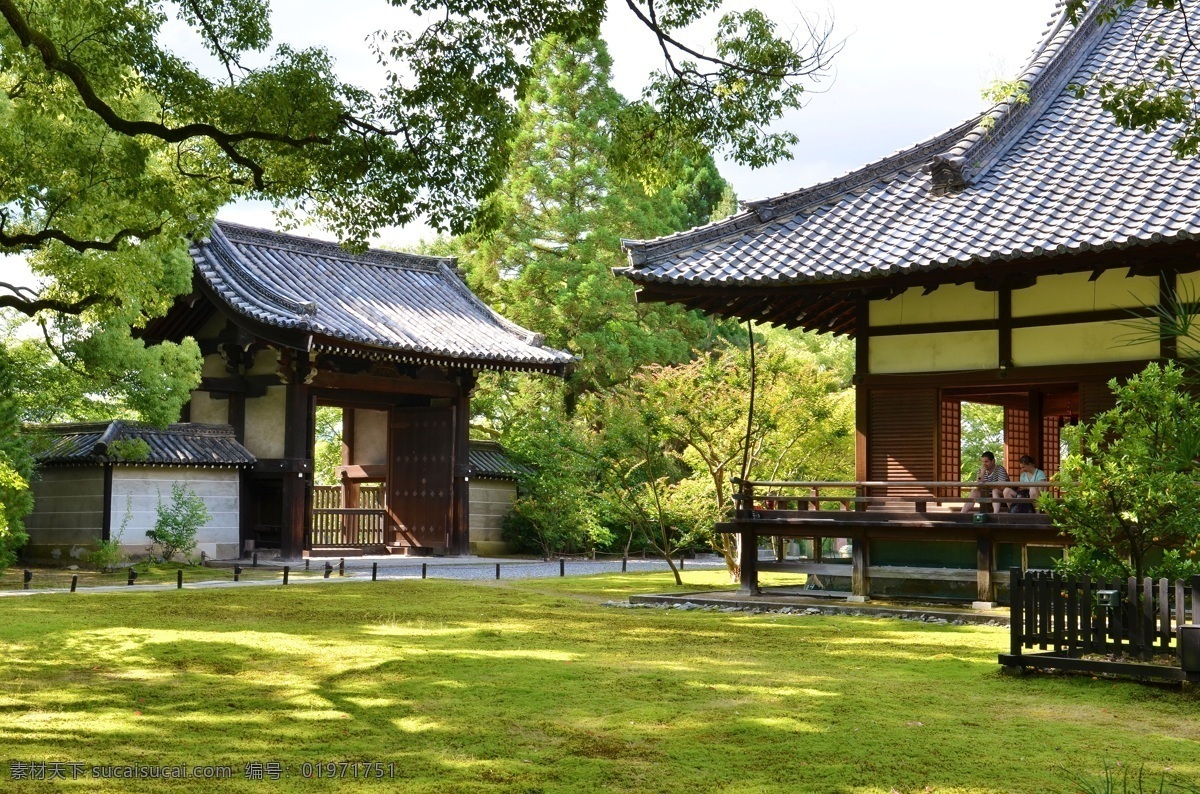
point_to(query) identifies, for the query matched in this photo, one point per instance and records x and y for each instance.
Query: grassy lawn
(533, 686)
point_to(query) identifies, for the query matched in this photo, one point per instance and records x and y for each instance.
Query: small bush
(108, 554)
(178, 522)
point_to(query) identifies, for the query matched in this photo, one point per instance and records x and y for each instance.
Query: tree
(1131, 477)
(982, 428)
(16, 467)
(1163, 91)
(802, 422)
(117, 150)
(561, 213)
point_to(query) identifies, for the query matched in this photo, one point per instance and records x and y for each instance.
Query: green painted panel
(923, 554)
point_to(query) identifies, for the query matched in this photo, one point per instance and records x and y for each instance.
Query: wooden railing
(774, 495)
(334, 525)
(1068, 619)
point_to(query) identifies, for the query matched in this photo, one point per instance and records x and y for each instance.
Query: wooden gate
(421, 477)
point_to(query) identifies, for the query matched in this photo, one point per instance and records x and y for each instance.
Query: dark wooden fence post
(328, 568)
(237, 572)
(132, 578)
(624, 564)
(28, 578)
(1016, 601)
(286, 571)
(424, 569)
(342, 567)
(74, 581)
(374, 572)
(179, 579)
(562, 566)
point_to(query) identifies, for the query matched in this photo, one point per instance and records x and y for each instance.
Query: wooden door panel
(420, 475)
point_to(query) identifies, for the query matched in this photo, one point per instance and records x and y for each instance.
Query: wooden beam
(985, 556)
(748, 563)
(384, 385)
(860, 574)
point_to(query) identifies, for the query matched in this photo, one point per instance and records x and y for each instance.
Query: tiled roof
(1048, 177)
(416, 308)
(175, 445)
(490, 461)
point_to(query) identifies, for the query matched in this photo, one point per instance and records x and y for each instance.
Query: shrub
(178, 522)
(108, 554)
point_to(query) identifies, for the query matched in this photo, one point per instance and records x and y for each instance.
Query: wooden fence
(335, 525)
(1066, 618)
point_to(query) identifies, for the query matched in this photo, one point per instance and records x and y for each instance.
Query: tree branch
(38, 239)
(26, 301)
(226, 141)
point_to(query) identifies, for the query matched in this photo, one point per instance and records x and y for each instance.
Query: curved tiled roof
(490, 461)
(188, 444)
(1050, 176)
(416, 308)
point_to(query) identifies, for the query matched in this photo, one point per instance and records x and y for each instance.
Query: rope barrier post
(562, 566)
(424, 569)
(286, 571)
(132, 578)
(328, 568)
(681, 560)
(179, 579)
(624, 564)
(74, 581)
(497, 570)
(342, 567)
(254, 560)
(237, 572)
(306, 562)
(28, 578)
(374, 572)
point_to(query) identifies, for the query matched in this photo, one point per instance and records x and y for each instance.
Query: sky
(907, 71)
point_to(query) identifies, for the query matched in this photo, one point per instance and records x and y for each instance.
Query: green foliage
(1131, 479)
(16, 468)
(1176, 564)
(561, 213)
(328, 447)
(129, 449)
(982, 429)
(1164, 94)
(1122, 779)
(108, 554)
(178, 522)
(1097, 563)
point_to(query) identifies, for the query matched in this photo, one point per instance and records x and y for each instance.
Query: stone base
(982, 605)
(857, 599)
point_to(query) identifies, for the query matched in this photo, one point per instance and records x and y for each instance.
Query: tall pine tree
(562, 211)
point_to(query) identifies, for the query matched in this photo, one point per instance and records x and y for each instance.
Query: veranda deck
(873, 511)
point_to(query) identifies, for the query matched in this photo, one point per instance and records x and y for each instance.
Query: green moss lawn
(535, 686)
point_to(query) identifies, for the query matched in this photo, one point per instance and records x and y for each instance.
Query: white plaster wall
(370, 437)
(266, 420)
(206, 410)
(958, 350)
(135, 500)
(947, 303)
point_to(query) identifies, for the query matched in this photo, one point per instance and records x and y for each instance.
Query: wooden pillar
(748, 561)
(860, 576)
(350, 496)
(986, 560)
(460, 508)
(862, 417)
(297, 449)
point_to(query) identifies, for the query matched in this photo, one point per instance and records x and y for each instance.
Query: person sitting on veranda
(1029, 473)
(988, 472)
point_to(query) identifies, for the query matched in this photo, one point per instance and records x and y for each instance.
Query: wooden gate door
(421, 476)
